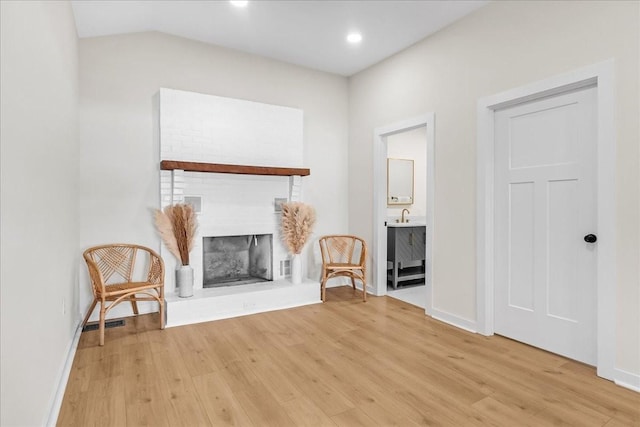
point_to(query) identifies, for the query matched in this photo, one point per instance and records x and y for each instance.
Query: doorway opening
(406, 207)
(420, 204)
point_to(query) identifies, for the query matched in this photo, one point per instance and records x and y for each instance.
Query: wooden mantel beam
(236, 169)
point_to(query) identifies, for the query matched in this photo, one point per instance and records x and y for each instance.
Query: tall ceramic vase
(296, 269)
(184, 281)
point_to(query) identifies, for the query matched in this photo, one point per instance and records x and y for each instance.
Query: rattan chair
(111, 270)
(343, 256)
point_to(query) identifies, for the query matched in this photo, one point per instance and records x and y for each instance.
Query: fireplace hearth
(237, 260)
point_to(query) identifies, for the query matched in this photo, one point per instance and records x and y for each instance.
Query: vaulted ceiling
(307, 33)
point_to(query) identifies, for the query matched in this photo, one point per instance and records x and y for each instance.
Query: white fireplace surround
(211, 129)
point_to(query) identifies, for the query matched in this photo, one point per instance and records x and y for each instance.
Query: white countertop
(406, 224)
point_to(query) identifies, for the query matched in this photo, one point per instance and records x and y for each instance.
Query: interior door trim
(602, 76)
(379, 268)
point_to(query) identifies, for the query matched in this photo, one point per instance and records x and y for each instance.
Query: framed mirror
(399, 181)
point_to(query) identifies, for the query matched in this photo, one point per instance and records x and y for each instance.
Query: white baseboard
(453, 320)
(627, 380)
(63, 378)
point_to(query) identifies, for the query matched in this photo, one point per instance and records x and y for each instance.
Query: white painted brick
(189, 132)
(240, 132)
(205, 128)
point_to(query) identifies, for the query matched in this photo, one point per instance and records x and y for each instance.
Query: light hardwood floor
(344, 363)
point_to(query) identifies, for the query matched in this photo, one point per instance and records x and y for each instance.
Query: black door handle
(590, 238)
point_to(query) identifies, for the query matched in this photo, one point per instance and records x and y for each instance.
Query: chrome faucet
(402, 218)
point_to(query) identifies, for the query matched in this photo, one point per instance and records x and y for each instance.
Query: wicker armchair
(111, 270)
(343, 255)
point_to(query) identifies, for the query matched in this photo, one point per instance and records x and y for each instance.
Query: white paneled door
(545, 219)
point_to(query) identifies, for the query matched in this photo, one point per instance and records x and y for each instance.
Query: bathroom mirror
(399, 181)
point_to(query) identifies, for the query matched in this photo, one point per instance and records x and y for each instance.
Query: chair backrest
(115, 263)
(343, 248)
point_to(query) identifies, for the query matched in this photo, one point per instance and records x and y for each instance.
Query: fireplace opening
(237, 260)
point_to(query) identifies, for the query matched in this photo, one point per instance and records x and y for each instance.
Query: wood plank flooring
(341, 363)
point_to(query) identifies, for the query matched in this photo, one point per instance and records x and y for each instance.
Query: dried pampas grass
(177, 226)
(298, 220)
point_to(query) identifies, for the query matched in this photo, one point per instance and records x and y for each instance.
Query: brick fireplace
(237, 158)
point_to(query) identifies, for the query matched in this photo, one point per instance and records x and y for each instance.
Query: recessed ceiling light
(239, 3)
(354, 38)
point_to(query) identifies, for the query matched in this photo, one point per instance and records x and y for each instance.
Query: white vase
(184, 281)
(296, 269)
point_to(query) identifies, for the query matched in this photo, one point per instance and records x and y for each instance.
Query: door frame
(600, 75)
(380, 199)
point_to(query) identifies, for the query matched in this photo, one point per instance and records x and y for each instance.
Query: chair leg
(353, 282)
(134, 304)
(323, 283)
(364, 290)
(162, 303)
(86, 318)
(102, 316)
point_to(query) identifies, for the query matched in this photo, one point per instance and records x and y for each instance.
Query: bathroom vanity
(405, 252)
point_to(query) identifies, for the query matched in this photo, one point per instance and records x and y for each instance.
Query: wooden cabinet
(406, 253)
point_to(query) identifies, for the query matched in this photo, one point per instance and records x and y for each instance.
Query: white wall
(411, 145)
(38, 180)
(119, 77)
(501, 46)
